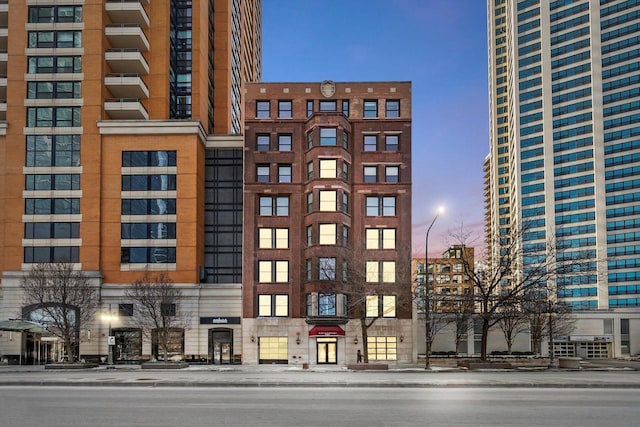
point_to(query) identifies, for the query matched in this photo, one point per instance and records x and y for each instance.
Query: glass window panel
(327, 234)
(281, 305)
(372, 271)
(264, 305)
(282, 271)
(372, 306)
(371, 236)
(328, 168)
(328, 200)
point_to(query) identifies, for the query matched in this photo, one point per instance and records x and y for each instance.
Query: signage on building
(219, 320)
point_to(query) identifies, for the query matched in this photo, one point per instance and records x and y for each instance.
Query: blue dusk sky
(438, 45)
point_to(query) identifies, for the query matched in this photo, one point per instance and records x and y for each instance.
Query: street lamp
(551, 313)
(427, 299)
(109, 317)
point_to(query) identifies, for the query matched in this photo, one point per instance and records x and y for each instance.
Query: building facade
(120, 152)
(327, 214)
(564, 110)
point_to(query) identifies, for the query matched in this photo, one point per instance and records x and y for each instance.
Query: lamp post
(109, 317)
(551, 313)
(427, 299)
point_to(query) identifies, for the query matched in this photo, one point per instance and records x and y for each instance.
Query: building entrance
(221, 346)
(327, 351)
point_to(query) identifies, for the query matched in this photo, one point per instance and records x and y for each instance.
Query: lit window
(262, 109)
(370, 108)
(273, 350)
(273, 271)
(284, 173)
(328, 168)
(370, 142)
(262, 173)
(382, 348)
(273, 305)
(328, 136)
(392, 173)
(327, 234)
(273, 238)
(372, 305)
(392, 108)
(284, 109)
(381, 271)
(328, 200)
(380, 238)
(370, 174)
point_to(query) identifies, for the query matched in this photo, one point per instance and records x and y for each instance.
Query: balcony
(125, 109)
(127, 12)
(124, 61)
(126, 86)
(126, 36)
(4, 13)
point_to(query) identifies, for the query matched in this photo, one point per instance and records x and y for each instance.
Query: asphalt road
(328, 406)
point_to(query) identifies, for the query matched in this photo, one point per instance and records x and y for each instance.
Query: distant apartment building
(327, 186)
(121, 153)
(564, 114)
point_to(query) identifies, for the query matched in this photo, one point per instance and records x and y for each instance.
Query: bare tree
(62, 299)
(513, 322)
(156, 309)
(541, 313)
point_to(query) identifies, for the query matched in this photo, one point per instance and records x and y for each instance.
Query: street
(253, 406)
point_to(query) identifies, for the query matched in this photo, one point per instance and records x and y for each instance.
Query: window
(39, 254)
(345, 107)
(328, 200)
(149, 182)
(370, 108)
(262, 173)
(393, 108)
(380, 238)
(328, 106)
(273, 350)
(381, 206)
(148, 230)
(54, 64)
(309, 107)
(370, 142)
(262, 143)
(53, 90)
(381, 271)
(327, 305)
(273, 238)
(370, 174)
(327, 234)
(309, 202)
(51, 230)
(167, 309)
(125, 310)
(310, 171)
(345, 236)
(381, 306)
(52, 182)
(148, 255)
(51, 14)
(391, 174)
(284, 109)
(345, 171)
(273, 271)
(148, 206)
(284, 173)
(284, 142)
(309, 235)
(328, 168)
(57, 39)
(345, 202)
(55, 206)
(274, 206)
(273, 305)
(391, 142)
(262, 109)
(309, 140)
(326, 268)
(148, 158)
(328, 136)
(345, 139)
(382, 348)
(53, 116)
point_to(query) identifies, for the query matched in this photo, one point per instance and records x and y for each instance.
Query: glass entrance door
(327, 351)
(221, 342)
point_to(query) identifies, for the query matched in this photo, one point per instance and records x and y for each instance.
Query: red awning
(326, 331)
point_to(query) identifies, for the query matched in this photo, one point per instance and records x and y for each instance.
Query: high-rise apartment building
(120, 152)
(564, 149)
(327, 222)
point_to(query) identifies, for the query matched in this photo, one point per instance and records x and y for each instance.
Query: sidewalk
(413, 376)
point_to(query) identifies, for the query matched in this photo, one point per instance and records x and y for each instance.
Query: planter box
(164, 365)
(369, 367)
(569, 362)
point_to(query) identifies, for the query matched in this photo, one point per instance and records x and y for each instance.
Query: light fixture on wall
(401, 338)
(253, 339)
(298, 338)
(355, 340)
